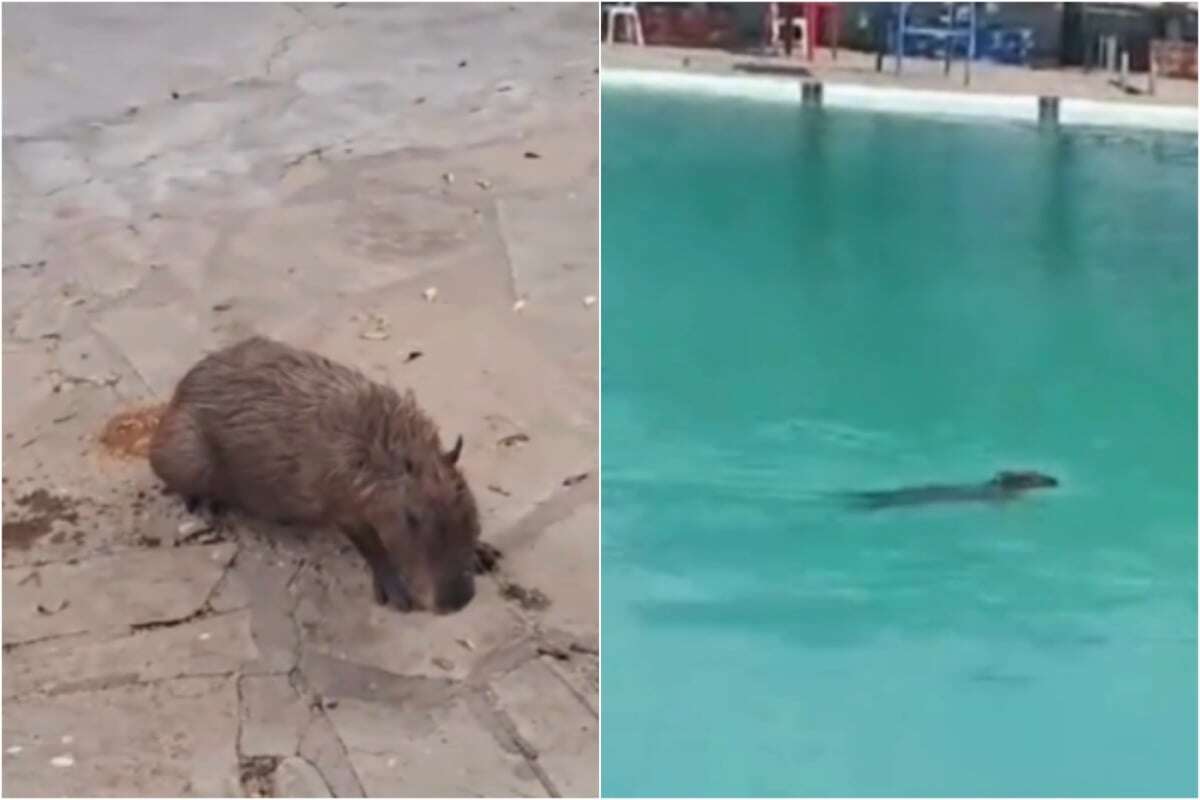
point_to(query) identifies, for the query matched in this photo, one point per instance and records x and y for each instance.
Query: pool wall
(1024, 108)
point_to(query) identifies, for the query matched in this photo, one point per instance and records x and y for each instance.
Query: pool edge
(921, 102)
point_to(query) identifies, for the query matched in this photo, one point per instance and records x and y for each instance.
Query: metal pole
(970, 47)
(948, 40)
(1151, 77)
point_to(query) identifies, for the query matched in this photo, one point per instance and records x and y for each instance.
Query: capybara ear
(452, 455)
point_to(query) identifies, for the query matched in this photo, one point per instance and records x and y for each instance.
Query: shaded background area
(799, 303)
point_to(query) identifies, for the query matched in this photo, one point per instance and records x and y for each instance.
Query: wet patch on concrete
(39, 510)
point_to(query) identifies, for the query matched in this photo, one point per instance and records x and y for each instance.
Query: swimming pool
(799, 302)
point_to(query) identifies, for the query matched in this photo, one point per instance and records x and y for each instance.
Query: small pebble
(430, 294)
(67, 739)
(517, 306)
(16, 748)
(484, 183)
(589, 301)
(448, 177)
(391, 762)
(204, 637)
(67, 760)
(443, 663)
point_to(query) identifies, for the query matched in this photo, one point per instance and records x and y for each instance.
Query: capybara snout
(290, 436)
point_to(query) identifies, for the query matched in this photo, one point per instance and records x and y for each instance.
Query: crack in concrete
(11, 646)
(120, 680)
(281, 47)
(482, 703)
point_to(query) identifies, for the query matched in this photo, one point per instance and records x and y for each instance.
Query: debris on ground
(527, 598)
(487, 557)
(53, 607)
(129, 433)
(571, 480)
(430, 294)
(258, 775)
(377, 328)
(554, 651)
(500, 490)
(513, 439)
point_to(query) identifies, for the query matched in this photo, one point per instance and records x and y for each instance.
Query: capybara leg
(197, 504)
(386, 584)
(181, 458)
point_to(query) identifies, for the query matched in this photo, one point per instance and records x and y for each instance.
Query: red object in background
(814, 14)
(687, 25)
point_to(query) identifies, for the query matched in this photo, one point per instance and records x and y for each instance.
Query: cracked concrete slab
(134, 589)
(296, 777)
(428, 760)
(274, 716)
(216, 645)
(545, 713)
(177, 178)
(171, 738)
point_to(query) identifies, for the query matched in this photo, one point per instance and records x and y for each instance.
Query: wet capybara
(289, 436)
(1003, 486)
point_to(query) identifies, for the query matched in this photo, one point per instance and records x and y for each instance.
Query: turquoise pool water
(797, 303)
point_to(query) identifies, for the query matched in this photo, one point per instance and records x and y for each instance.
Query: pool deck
(851, 81)
(178, 177)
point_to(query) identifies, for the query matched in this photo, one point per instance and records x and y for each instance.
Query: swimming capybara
(289, 436)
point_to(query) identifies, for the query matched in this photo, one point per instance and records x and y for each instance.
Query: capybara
(1003, 486)
(289, 436)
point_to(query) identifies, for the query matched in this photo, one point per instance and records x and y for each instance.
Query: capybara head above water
(290, 436)
(1015, 481)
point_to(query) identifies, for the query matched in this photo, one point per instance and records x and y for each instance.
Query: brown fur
(290, 436)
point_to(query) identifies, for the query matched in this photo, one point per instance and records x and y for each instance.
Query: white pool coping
(923, 102)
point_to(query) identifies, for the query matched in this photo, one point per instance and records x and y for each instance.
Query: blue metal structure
(934, 39)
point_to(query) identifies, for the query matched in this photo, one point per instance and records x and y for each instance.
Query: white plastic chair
(629, 13)
(799, 30)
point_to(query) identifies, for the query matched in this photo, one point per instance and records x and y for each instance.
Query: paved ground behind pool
(176, 177)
